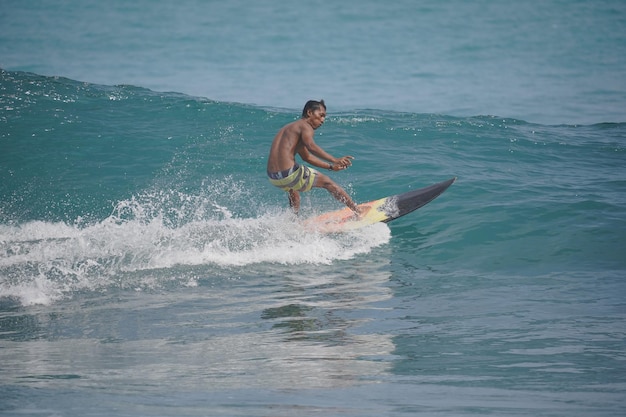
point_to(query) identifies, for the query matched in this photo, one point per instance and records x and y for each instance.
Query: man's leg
(323, 181)
(294, 201)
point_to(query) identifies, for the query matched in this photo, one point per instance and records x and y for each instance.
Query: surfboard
(382, 210)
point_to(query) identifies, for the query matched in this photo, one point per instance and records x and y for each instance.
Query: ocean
(148, 268)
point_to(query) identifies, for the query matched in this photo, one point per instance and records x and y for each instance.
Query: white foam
(42, 262)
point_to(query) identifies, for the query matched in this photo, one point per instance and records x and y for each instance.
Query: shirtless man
(297, 138)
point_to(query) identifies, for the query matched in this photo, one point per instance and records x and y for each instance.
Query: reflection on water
(271, 327)
(320, 319)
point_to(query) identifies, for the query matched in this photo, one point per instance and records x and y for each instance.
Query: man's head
(312, 105)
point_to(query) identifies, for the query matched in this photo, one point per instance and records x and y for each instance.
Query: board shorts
(297, 178)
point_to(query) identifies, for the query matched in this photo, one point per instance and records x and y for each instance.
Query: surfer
(297, 138)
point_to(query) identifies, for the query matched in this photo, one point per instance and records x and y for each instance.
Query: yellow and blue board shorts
(297, 178)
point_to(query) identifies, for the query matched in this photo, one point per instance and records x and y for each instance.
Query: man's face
(317, 117)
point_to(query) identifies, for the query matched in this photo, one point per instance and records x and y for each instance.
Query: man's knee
(323, 181)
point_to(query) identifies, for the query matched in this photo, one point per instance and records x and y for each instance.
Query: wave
(135, 248)
(107, 187)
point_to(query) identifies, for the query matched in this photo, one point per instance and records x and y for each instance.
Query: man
(297, 138)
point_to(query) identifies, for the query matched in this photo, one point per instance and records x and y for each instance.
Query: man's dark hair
(312, 105)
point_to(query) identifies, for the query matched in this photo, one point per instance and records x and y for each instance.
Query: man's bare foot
(361, 211)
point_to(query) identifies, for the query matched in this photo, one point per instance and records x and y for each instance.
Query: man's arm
(314, 148)
(313, 160)
(336, 165)
(310, 147)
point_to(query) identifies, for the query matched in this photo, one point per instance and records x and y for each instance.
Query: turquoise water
(549, 62)
(147, 267)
